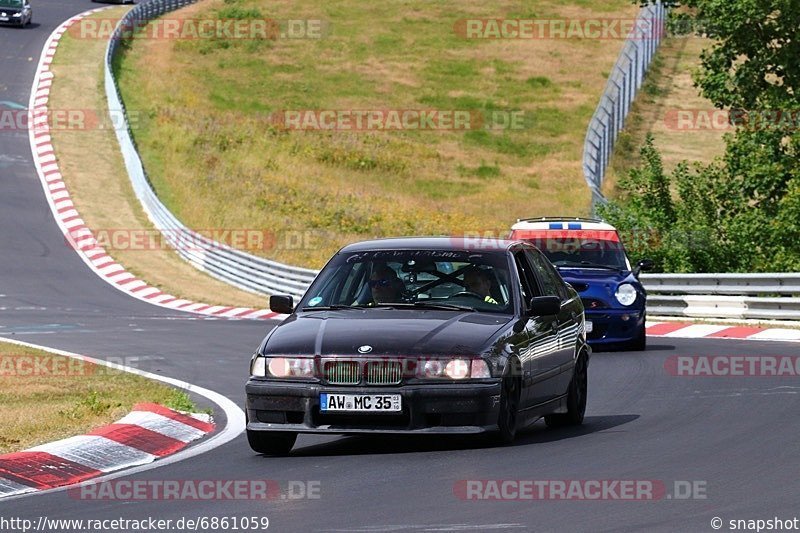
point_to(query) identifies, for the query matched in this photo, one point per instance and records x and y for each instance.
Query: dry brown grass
(215, 165)
(669, 88)
(92, 167)
(62, 397)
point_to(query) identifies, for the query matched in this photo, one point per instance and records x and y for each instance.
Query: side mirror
(281, 303)
(544, 306)
(643, 266)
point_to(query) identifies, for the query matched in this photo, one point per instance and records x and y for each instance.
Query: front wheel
(271, 442)
(576, 398)
(509, 408)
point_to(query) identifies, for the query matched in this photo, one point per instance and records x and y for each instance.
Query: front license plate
(589, 326)
(360, 403)
(3, 19)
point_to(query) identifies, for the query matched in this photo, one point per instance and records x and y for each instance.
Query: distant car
(591, 257)
(421, 336)
(17, 12)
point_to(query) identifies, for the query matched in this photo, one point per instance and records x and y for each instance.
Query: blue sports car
(591, 257)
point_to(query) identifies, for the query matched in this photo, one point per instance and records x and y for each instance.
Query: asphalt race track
(736, 437)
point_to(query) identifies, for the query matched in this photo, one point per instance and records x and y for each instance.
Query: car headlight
(282, 367)
(458, 368)
(626, 294)
(17, 15)
(258, 366)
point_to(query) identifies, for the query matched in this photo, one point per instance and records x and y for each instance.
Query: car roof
(434, 243)
(554, 223)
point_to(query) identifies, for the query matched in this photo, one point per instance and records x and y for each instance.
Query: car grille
(384, 373)
(368, 372)
(342, 372)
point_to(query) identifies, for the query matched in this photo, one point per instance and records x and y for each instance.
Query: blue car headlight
(626, 294)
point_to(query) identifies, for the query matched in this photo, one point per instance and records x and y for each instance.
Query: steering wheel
(467, 294)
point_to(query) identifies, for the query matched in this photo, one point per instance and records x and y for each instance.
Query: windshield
(10, 3)
(584, 252)
(454, 280)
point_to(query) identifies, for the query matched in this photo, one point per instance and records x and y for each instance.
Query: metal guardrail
(623, 83)
(246, 271)
(742, 296)
(773, 296)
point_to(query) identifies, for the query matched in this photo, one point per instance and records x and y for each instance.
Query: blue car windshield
(584, 253)
(411, 279)
(10, 3)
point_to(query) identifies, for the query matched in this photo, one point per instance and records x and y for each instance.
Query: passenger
(478, 282)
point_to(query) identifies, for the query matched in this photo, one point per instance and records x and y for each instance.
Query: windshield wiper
(422, 305)
(435, 305)
(586, 264)
(335, 307)
(392, 305)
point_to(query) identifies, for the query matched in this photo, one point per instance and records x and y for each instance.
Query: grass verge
(92, 166)
(668, 90)
(216, 161)
(46, 397)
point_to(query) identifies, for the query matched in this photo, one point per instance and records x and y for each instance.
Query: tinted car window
(552, 284)
(578, 251)
(479, 280)
(528, 283)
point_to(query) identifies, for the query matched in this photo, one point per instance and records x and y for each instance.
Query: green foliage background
(740, 213)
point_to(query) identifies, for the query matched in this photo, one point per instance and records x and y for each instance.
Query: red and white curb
(67, 217)
(712, 331)
(153, 420)
(149, 432)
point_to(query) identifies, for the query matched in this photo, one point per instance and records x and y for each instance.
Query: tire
(271, 443)
(576, 398)
(507, 418)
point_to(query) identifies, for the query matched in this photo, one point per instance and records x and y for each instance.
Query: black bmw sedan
(429, 335)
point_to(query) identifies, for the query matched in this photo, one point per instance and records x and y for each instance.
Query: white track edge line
(45, 59)
(235, 420)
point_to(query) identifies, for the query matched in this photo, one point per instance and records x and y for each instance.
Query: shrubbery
(740, 213)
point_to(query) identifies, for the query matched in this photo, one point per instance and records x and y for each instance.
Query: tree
(742, 212)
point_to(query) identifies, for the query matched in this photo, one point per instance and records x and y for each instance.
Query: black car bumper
(447, 408)
(612, 326)
(13, 21)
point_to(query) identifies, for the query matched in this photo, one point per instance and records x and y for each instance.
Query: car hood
(595, 277)
(388, 331)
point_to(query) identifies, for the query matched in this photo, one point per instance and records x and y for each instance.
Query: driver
(478, 281)
(385, 285)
